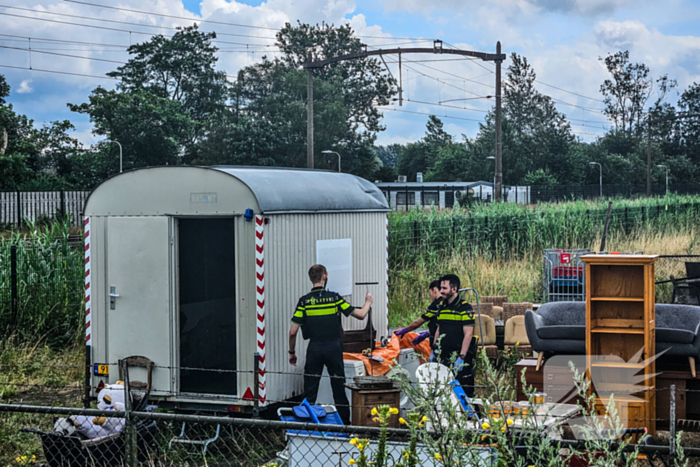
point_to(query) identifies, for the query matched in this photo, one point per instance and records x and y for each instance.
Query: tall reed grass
(505, 257)
(506, 231)
(50, 286)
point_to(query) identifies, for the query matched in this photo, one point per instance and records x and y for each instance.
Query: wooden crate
(363, 400)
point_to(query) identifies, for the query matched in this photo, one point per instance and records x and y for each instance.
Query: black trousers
(465, 376)
(329, 354)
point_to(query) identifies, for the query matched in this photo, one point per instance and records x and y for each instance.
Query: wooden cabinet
(620, 335)
(363, 400)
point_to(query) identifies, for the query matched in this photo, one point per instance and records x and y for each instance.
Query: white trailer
(199, 268)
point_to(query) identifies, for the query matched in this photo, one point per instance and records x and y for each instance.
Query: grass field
(517, 271)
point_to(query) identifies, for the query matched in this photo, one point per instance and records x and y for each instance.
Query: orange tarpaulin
(390, 353)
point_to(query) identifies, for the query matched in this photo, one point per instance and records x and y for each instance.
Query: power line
(57, 72)
(62, 40)
(121, 30)
(62, 55)
(225, 23)
(124, 22)
(24, 39)
(429, 114)
(171, 16)
(76, 56)
(570, 92)
(448, 106)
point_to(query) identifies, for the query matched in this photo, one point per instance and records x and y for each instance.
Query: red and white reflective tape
(387, 273)
(260, 301)
(88, 288)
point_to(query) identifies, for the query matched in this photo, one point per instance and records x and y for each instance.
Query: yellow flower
(509, 422)
(352, 462)
(424, 419)
(483, 438)
(406, 455)
(503, 429)
(420, 425)
(374, 411)
(375, 419)
(438, 456)
(485, 426)
(354, 441)
(394, 411)
(517, 343)
(402, 421)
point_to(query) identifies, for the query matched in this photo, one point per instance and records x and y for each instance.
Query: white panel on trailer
(138, 267)
(290, 250)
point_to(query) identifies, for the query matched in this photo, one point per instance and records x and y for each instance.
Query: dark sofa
(560, 328)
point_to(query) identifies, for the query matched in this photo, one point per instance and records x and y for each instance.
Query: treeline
(172, 106)
(540, 147)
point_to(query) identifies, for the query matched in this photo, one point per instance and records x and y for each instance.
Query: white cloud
(25, 87)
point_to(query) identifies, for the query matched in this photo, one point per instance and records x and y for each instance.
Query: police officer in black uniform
(456, 327)
(429, 316)
(318, 315)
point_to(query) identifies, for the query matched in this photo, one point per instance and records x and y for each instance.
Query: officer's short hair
(316, 273)
(434, 285)
(452, 279)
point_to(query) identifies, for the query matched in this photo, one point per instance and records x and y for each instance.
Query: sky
(562, 39)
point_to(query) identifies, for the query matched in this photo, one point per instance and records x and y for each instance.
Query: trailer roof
(302, 190)
(277, 190)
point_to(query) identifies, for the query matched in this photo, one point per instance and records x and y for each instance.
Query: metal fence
(42, 290)
(19, 207)
(540, 194)
(527, 232)
(44, 434)
(73, 437)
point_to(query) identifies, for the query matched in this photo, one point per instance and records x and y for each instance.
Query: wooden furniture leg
(692, 365)
(540, 356)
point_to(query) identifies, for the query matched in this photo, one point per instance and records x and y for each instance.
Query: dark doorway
(449, 199)
(207, 305)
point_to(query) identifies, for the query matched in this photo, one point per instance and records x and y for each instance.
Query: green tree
(269, 99)
(626, 92)
(422, 156)
(689, 128)
(389, 155)
(151, 129)
(540, 177)
(181, 69)
(534, 134)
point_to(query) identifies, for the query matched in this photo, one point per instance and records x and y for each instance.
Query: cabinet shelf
(611, 364)
(602, 330)
(604, 400)
(617, 299)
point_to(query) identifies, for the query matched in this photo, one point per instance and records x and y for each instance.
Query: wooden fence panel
(41, 205)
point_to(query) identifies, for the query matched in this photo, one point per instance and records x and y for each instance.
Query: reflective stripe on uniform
(321, 311)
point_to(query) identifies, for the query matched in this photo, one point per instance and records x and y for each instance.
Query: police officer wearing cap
(454, 339)
(318, 314)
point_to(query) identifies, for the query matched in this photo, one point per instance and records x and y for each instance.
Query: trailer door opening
(206, 274)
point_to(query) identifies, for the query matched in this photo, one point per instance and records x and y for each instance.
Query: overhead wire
(63, 55)
(24, 39)
(66, 15)
(57, 72)
(122, 30)
(428, 114)
(222, 22)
